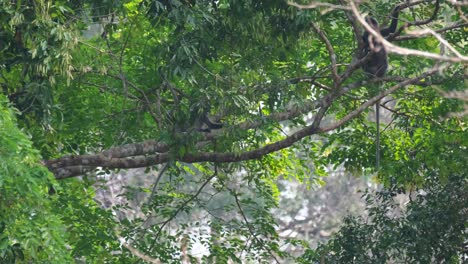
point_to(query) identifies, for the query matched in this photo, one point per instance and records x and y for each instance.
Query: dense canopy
(93, 88)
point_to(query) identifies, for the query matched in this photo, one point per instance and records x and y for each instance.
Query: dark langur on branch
(205, 124)
(200, 117)
(377, 64)
(198, 120)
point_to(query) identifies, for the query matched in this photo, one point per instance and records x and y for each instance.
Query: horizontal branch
(71, 166)
(317, 4)
(151, 152)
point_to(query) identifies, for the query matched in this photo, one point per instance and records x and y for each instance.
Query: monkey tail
(211, 124)
(377, 139)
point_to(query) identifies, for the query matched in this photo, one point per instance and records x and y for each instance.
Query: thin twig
(437, 36)
(318, 4)
(249, 226)
(158, 178)
(442, 30)
(331, 54)
(138, 253)
(399, 50)
(184, 204)
(376, 98)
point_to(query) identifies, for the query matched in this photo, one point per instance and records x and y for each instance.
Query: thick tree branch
(128, 150)
(61, 166)
(71, 166)
(151, 152)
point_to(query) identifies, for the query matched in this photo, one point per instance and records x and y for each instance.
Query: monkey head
(372, 22)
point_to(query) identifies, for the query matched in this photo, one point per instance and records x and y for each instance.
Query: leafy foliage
(30, 230)
(430, 229)
(103, 85)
